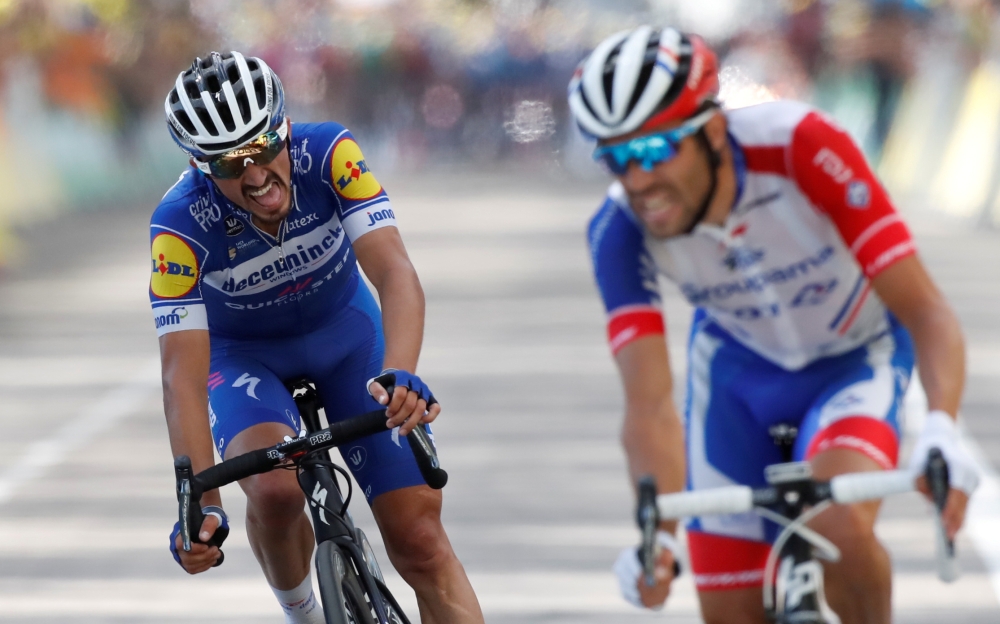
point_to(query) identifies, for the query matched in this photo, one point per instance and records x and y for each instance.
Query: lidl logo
(349, 172)
(175, 267)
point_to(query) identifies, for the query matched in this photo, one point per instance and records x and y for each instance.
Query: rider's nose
(254, 175)
(636, 179)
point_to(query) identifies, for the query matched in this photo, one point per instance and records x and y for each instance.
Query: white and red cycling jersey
(789, 273)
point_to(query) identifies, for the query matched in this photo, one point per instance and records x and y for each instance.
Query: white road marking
(500, 593)
(50, 451)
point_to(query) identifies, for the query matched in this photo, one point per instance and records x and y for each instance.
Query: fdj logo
(174, 267)
(174, 318)
(349, 172)
(380, 215)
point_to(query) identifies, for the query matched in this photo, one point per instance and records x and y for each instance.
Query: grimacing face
(667, 198)
(263, 190)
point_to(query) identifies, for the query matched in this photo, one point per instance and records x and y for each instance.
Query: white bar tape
(715, 501)
(859, 486)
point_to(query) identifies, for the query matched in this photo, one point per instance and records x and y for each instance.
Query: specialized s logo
(349, 172)
(175, 267)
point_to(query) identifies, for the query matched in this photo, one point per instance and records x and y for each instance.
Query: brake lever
(182, 472)
(938, 482)
(423, 451)
(648, 517)
(190, 516)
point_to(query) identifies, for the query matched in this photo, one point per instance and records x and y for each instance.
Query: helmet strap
(714, 163)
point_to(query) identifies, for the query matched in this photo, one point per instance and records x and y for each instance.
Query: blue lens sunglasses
(651, 149)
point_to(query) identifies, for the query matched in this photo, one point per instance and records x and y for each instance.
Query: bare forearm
(187, 424)
(185, 360)
(402, 301)
(940, 348)
(654, 443)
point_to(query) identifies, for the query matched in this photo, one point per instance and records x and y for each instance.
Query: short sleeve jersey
(789, 272)
(212, 268)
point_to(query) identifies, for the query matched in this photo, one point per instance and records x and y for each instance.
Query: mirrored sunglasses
(260, 151)
(649, 150)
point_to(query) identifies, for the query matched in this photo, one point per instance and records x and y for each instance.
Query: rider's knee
(421, 548)
(847, 526)
(274, 499)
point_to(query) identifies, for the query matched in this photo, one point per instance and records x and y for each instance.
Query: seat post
(306, 397)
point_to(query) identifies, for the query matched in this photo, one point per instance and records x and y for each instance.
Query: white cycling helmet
(223, 102)
(640, 79)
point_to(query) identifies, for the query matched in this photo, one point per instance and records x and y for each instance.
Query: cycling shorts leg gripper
(382, 462)
(242, 393)
(861, 410)
(720, 562)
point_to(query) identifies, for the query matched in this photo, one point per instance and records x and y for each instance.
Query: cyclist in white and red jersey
(811, 308)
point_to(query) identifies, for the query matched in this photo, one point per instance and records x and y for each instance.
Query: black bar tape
(239, 467)
(350, 430)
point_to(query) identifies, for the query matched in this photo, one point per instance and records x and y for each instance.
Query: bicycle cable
(796, 526)
(347, 499)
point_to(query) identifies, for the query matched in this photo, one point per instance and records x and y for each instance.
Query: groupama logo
(350, 174)
(174, 267)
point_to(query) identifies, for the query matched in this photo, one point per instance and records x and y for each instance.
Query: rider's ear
(715, 130)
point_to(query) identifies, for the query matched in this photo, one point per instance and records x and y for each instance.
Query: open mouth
(269, 196)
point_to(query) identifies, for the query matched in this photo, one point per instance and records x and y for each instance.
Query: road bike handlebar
(190, 487)
(734, 499)
(842, 489)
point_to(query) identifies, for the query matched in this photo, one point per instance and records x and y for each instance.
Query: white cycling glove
(628, 568)
(940, 431)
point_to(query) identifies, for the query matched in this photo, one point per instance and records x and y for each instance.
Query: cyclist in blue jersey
(255, 281)
(812, 307)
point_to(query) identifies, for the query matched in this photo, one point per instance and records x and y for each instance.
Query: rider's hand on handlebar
(408, 404)
(633, 586)
(202, 556)
(953, 515)
(941, 432)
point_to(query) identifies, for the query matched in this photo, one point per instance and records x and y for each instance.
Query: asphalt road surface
(538, 505)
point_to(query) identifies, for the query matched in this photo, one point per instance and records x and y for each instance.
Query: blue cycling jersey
(213, 269)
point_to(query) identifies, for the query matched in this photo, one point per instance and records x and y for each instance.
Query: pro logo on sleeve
(349, 172)
(175, 267)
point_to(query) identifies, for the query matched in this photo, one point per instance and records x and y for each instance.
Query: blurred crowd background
(460, 84)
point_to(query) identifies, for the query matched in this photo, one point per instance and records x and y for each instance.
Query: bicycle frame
(309, 453)
(319, 483)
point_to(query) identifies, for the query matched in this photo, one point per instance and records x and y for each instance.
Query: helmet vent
(244, 104)
(261, 90)
(206, 120)
(185, 121)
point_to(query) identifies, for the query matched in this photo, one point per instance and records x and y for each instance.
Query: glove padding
(400, 378)
(941, 431)
(628, 569)
(220, 535)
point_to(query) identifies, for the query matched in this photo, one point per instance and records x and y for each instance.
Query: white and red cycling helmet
(640, 79)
